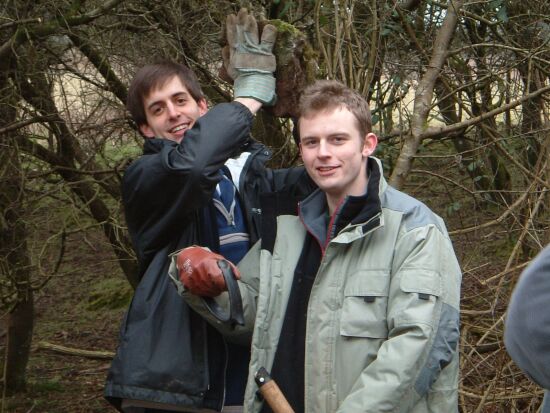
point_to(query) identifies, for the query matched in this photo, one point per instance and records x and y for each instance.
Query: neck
(334, 201)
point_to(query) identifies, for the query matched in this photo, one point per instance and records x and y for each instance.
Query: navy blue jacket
(167, 353)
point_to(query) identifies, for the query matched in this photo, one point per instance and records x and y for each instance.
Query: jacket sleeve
(527, 326)
(423, 329)
(161, 190)
(248, 286)
(292, 181)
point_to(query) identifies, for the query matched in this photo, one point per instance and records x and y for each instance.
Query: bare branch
(436, 132)
(23, 123)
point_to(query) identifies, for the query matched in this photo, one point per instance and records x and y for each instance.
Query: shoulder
(534, 281)
(414, 213)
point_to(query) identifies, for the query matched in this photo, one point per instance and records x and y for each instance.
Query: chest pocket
(365, 305)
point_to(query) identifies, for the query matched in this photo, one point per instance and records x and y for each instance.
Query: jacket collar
(155, 145)
(353, 211)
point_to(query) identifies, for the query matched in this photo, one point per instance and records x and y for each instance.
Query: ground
(69, 313)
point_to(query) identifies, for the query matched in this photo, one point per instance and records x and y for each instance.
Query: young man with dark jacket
(353, 298)
(197, 182)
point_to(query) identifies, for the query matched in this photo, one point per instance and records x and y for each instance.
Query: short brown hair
(326, 95)
(154, 76)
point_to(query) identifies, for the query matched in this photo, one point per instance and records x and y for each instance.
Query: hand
(199, 272)
(248, 60)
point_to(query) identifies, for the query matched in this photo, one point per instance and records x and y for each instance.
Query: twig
(106, 355)
(503, 273)
(519, 202)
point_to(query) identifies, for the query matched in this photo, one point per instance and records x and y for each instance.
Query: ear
(369, 145)
(146, 131)
(203, 106)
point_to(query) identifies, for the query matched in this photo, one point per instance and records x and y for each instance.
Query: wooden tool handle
(271, 392)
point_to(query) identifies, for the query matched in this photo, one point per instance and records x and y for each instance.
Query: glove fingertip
(230, 21)
(269, 34)
(242, 15)
(251, 27)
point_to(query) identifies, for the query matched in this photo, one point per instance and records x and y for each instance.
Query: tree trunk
(14, 256)
(19, 337)
(424, 94)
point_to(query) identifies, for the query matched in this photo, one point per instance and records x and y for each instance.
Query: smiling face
(335, 153)
(170, 111)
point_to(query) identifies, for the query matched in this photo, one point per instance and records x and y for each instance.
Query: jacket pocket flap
(368, 283)
(421, 281)
(355, 327)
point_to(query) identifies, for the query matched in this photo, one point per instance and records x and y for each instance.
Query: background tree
(459, 94)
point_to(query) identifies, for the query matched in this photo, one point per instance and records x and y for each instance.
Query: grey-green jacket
(383, 314)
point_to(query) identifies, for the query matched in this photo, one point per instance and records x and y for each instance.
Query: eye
(156, 110)
(309, 143)
(338, 139)
(180, 100)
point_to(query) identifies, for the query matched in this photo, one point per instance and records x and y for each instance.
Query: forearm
(252, 104)
(215, 137)
(239, 334)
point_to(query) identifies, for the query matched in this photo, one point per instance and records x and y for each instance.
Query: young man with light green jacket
(351, 296)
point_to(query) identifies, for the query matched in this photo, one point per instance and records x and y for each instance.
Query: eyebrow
(331, 135)
(156, 102)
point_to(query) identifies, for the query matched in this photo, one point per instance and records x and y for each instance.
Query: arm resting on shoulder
(248, 285)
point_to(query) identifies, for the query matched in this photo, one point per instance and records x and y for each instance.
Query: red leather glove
(199, 271)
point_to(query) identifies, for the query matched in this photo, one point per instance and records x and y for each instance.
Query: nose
(323, 150)
(172, 110)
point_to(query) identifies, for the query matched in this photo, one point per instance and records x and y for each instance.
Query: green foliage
(120, 152)
(499, 6)
(110, 294)
(453, 207)
(47, 386)
(391, 28)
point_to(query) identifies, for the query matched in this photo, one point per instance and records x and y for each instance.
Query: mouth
(324, 169)
(179, 128)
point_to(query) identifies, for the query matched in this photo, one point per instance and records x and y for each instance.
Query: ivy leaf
(502, 14)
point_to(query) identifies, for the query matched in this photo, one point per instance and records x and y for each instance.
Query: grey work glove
(249, 60)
